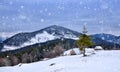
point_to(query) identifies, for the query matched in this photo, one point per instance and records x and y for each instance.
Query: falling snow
(42, 20)
(119, 25)
(10, 2)
(49, 14)
(62, 12)
(21, 6)
(46, 9)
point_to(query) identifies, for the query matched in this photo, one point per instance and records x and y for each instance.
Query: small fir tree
(84, 41)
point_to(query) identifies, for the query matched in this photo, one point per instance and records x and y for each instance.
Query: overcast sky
(100, 16)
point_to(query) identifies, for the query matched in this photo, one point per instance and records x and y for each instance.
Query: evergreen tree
(84, 41)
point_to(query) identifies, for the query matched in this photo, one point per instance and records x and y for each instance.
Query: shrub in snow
(32, 56)
(2, 62)
(25, 58)
(14, 60)
(72, 52)
(5, 62)
(98, 48)
(50, 54)
(57, 51)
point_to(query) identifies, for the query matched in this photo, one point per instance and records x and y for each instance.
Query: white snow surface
(98, 48)
(78, 52)
(102, 61)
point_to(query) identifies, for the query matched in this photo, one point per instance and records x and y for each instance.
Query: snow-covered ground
(102, 61)
(88, 51)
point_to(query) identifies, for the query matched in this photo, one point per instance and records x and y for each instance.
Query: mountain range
(108, 38)
(55, 32)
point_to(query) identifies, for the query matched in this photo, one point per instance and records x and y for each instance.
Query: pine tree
(84, 41)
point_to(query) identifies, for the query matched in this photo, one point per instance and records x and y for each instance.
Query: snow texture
(98, 48)
(40, 38)
(102, 61)
(78, 52)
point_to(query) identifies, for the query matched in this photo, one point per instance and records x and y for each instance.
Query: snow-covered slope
(39, 38)
(43, 35)
(102, 61)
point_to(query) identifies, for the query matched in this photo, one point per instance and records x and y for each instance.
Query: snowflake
(42, 20)
(88, 8)
(7, 17)
(3, 17)
(46, 9)
(119, 25)
(80, 3)
(95, 9)
(41, 11)
(10, 2)
(13, 19)
(21, 6)
(49, 14)
(85, 7)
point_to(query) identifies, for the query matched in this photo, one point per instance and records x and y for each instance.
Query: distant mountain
(23, 40)
(105, 44)
(43, 35)
(118, 40)
(108, 38)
